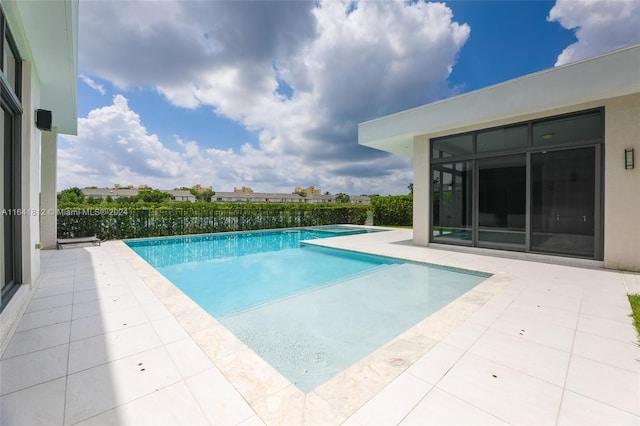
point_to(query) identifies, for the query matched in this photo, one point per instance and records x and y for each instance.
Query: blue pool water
(309, 311)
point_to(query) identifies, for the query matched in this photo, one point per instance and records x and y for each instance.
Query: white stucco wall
(48, 195)
(622, 187)
(30, 175)
(421, 190)
(46, 36)
(611, 81)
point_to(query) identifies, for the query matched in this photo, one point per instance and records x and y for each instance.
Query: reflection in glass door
(452, 202)
(563, 201)
(502, 202)
(11, 243)
(8, 226)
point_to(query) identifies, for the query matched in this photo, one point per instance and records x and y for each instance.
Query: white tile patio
(107, 340)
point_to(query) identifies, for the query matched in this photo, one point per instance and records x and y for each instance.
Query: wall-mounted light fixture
(628, 159)
(548, 136)
(43, 119)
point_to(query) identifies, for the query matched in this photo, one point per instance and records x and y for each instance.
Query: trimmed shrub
(392, 210)
(137, 222)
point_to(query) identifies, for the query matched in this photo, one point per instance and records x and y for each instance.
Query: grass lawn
(634, 300)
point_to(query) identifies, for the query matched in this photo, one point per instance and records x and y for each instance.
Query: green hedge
(127, 222)
(392, 210)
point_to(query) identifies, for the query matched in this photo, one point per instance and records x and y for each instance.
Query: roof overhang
(47, 35)
(611, 75)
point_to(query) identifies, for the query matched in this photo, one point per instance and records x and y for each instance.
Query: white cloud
(95, 86)
(344, 64)
(113, 146)
(600, 26)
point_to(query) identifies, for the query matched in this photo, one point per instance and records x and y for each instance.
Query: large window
(533, 186)
(452, 202)
(563, 201)
(502, 201)
(10, 182)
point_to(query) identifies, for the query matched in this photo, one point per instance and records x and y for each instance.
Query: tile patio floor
(107, 340)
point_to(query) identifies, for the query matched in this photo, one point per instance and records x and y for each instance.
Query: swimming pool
(309, 311)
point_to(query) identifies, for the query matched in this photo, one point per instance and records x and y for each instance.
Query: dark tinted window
(453, 146)
(568, 129)
(502, 139)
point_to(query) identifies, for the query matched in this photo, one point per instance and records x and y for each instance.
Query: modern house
(273, 197)
(180, 195)
(256, 197)
(39, 100)
(547, 163)
(237, 196)
(114, 193)
(361, 199)
(177, 195)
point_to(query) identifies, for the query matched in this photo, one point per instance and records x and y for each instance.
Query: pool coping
(276, 400)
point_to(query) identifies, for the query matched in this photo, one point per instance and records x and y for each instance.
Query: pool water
(309, 311)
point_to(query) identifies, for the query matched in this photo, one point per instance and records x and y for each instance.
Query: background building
(309, 191)
(239, 195)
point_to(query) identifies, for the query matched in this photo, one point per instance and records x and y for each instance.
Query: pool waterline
(255, 324)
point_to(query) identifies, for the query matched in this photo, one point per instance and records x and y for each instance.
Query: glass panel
(453, 146)
(568, 129)
(452, 202)
(502, 139)
(9, 65)
(7, 202)
(563, 202)
(502, 201)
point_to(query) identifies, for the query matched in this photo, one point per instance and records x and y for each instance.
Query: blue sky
(269, 94)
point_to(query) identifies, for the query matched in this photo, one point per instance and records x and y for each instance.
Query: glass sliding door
(502, 202)
(10, 160)
(563, 201)
(452, 202)
(11, 244)
(534, 186)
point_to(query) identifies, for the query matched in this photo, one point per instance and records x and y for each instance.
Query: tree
(342, 198)
(93, 199)
(410, 186)
(71, 195)
(201, 194)
(152, 196)
(205, 195)
(303, 194)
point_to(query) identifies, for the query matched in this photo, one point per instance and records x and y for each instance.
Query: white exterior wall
(421, 190)
(48, 194)
(611, 81)
(622, 187)
(30, 175)
(46, 37)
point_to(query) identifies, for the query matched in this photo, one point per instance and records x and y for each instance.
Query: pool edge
(272, 396)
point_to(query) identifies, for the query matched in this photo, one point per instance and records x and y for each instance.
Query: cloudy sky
(269, 94)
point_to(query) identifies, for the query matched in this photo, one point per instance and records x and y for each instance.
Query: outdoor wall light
(43, 119)
(628, 159)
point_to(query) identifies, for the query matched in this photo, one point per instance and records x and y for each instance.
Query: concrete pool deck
(107, 340)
